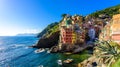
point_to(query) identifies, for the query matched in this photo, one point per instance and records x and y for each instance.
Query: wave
(12, 47)
(20, 56)
(2, 48)
(17, 45)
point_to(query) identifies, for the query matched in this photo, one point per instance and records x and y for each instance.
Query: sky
(32, 16)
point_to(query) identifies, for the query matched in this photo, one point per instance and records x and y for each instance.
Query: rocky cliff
(48, 42)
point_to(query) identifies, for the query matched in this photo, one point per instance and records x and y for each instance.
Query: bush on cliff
(108, 11)
(51, 28)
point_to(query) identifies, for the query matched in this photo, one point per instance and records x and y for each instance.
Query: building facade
(112, 30)
(115, 28)
(67, 35)
(70, 32)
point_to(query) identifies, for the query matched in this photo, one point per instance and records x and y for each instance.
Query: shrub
(106, 52)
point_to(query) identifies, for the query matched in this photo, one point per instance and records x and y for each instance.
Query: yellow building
(73, 37)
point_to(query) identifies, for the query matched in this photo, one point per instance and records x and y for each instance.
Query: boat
(48, 51)
(40, 66)
(59, 62)
(39, 50)
(68, 61)
(68, 53)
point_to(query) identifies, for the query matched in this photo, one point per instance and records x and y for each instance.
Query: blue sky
(32, 16)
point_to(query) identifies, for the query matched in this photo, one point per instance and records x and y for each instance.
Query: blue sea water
(14, 52)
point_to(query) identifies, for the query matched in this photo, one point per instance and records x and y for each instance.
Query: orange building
(112, 30)
(115, 28)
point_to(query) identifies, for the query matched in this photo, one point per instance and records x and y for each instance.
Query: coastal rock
(76, 48)
(83, 47)
(54, 49)
(67, 48)
(92, 61)
(48, 42)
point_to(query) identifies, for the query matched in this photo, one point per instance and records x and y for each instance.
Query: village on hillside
(85, 41)
(73, 31)
(100, 36)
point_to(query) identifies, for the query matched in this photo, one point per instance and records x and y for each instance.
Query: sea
(14, 52)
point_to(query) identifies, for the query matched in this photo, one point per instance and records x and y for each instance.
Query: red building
(66, 35)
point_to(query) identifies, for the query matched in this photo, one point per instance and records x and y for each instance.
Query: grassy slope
(109, 11)
(51, 28)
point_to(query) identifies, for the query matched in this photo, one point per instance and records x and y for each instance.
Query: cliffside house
(112, 30)
(67, 35)
(115, 28)
(70, 32)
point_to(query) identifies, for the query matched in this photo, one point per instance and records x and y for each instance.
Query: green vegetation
(117, 64)
(77, 58)
(50, 29)
(107, 53)
(108, 11)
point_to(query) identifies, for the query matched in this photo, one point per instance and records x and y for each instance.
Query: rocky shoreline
(69, 48)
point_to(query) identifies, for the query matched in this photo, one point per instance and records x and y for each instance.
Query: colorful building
(70, 32)
(115, 28)
(67, 35)
(74, 37)
(112, 30)
(80, 37)
(105, 32)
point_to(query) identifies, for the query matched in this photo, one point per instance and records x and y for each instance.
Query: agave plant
(108, 53)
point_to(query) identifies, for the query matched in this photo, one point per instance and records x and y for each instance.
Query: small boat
(68, 61)
(39, 50)
(40, 66)
(59, 62)
(68, 53)
(48, 51)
